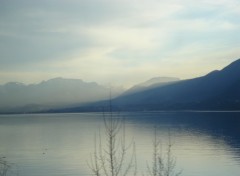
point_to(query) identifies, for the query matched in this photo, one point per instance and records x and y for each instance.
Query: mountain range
(53, 93)
(218, 90)
(57, 93)
(151, 83)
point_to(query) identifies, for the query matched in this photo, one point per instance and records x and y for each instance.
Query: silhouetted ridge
(233, 67)
(216, 90)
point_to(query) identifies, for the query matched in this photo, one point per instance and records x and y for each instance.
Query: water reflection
(217, 125)
(208, 142)
(60, 144)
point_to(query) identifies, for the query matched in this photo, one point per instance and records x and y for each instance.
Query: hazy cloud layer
(116, 41)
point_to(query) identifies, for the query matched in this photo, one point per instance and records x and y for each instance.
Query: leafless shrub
(113, 157)
(4, 167)
(163, 164)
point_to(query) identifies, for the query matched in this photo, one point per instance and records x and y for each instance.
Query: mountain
(151, 83)
(216, 90)
(55, 92)
(157, 80)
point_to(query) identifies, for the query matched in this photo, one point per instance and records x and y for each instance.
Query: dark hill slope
(216, 90)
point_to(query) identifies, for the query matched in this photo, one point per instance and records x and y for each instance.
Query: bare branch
(4, 167)
(111, 160)
(162, 166)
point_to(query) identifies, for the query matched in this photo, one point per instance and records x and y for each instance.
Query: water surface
(204, 143)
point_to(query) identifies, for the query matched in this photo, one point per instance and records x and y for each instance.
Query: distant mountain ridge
(56, 92)
(157, 80)
(216, 90)
(151, 83)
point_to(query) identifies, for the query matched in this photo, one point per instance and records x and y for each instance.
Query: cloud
(110, 39)
(33, 30)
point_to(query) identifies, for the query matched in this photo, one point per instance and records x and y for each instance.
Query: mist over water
(204, 143)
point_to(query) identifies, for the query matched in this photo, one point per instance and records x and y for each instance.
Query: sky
(119, 42)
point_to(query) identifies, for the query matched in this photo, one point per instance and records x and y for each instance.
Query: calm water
(204, 143)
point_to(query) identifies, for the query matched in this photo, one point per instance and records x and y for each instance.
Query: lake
(203, 143)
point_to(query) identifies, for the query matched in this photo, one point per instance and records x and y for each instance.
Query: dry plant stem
(111, 159)
(162, 165)
(4, 167)
(94, 161)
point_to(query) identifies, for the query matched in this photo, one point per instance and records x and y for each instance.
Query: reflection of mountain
(51, 93)
(216, 90)
(223, 126)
